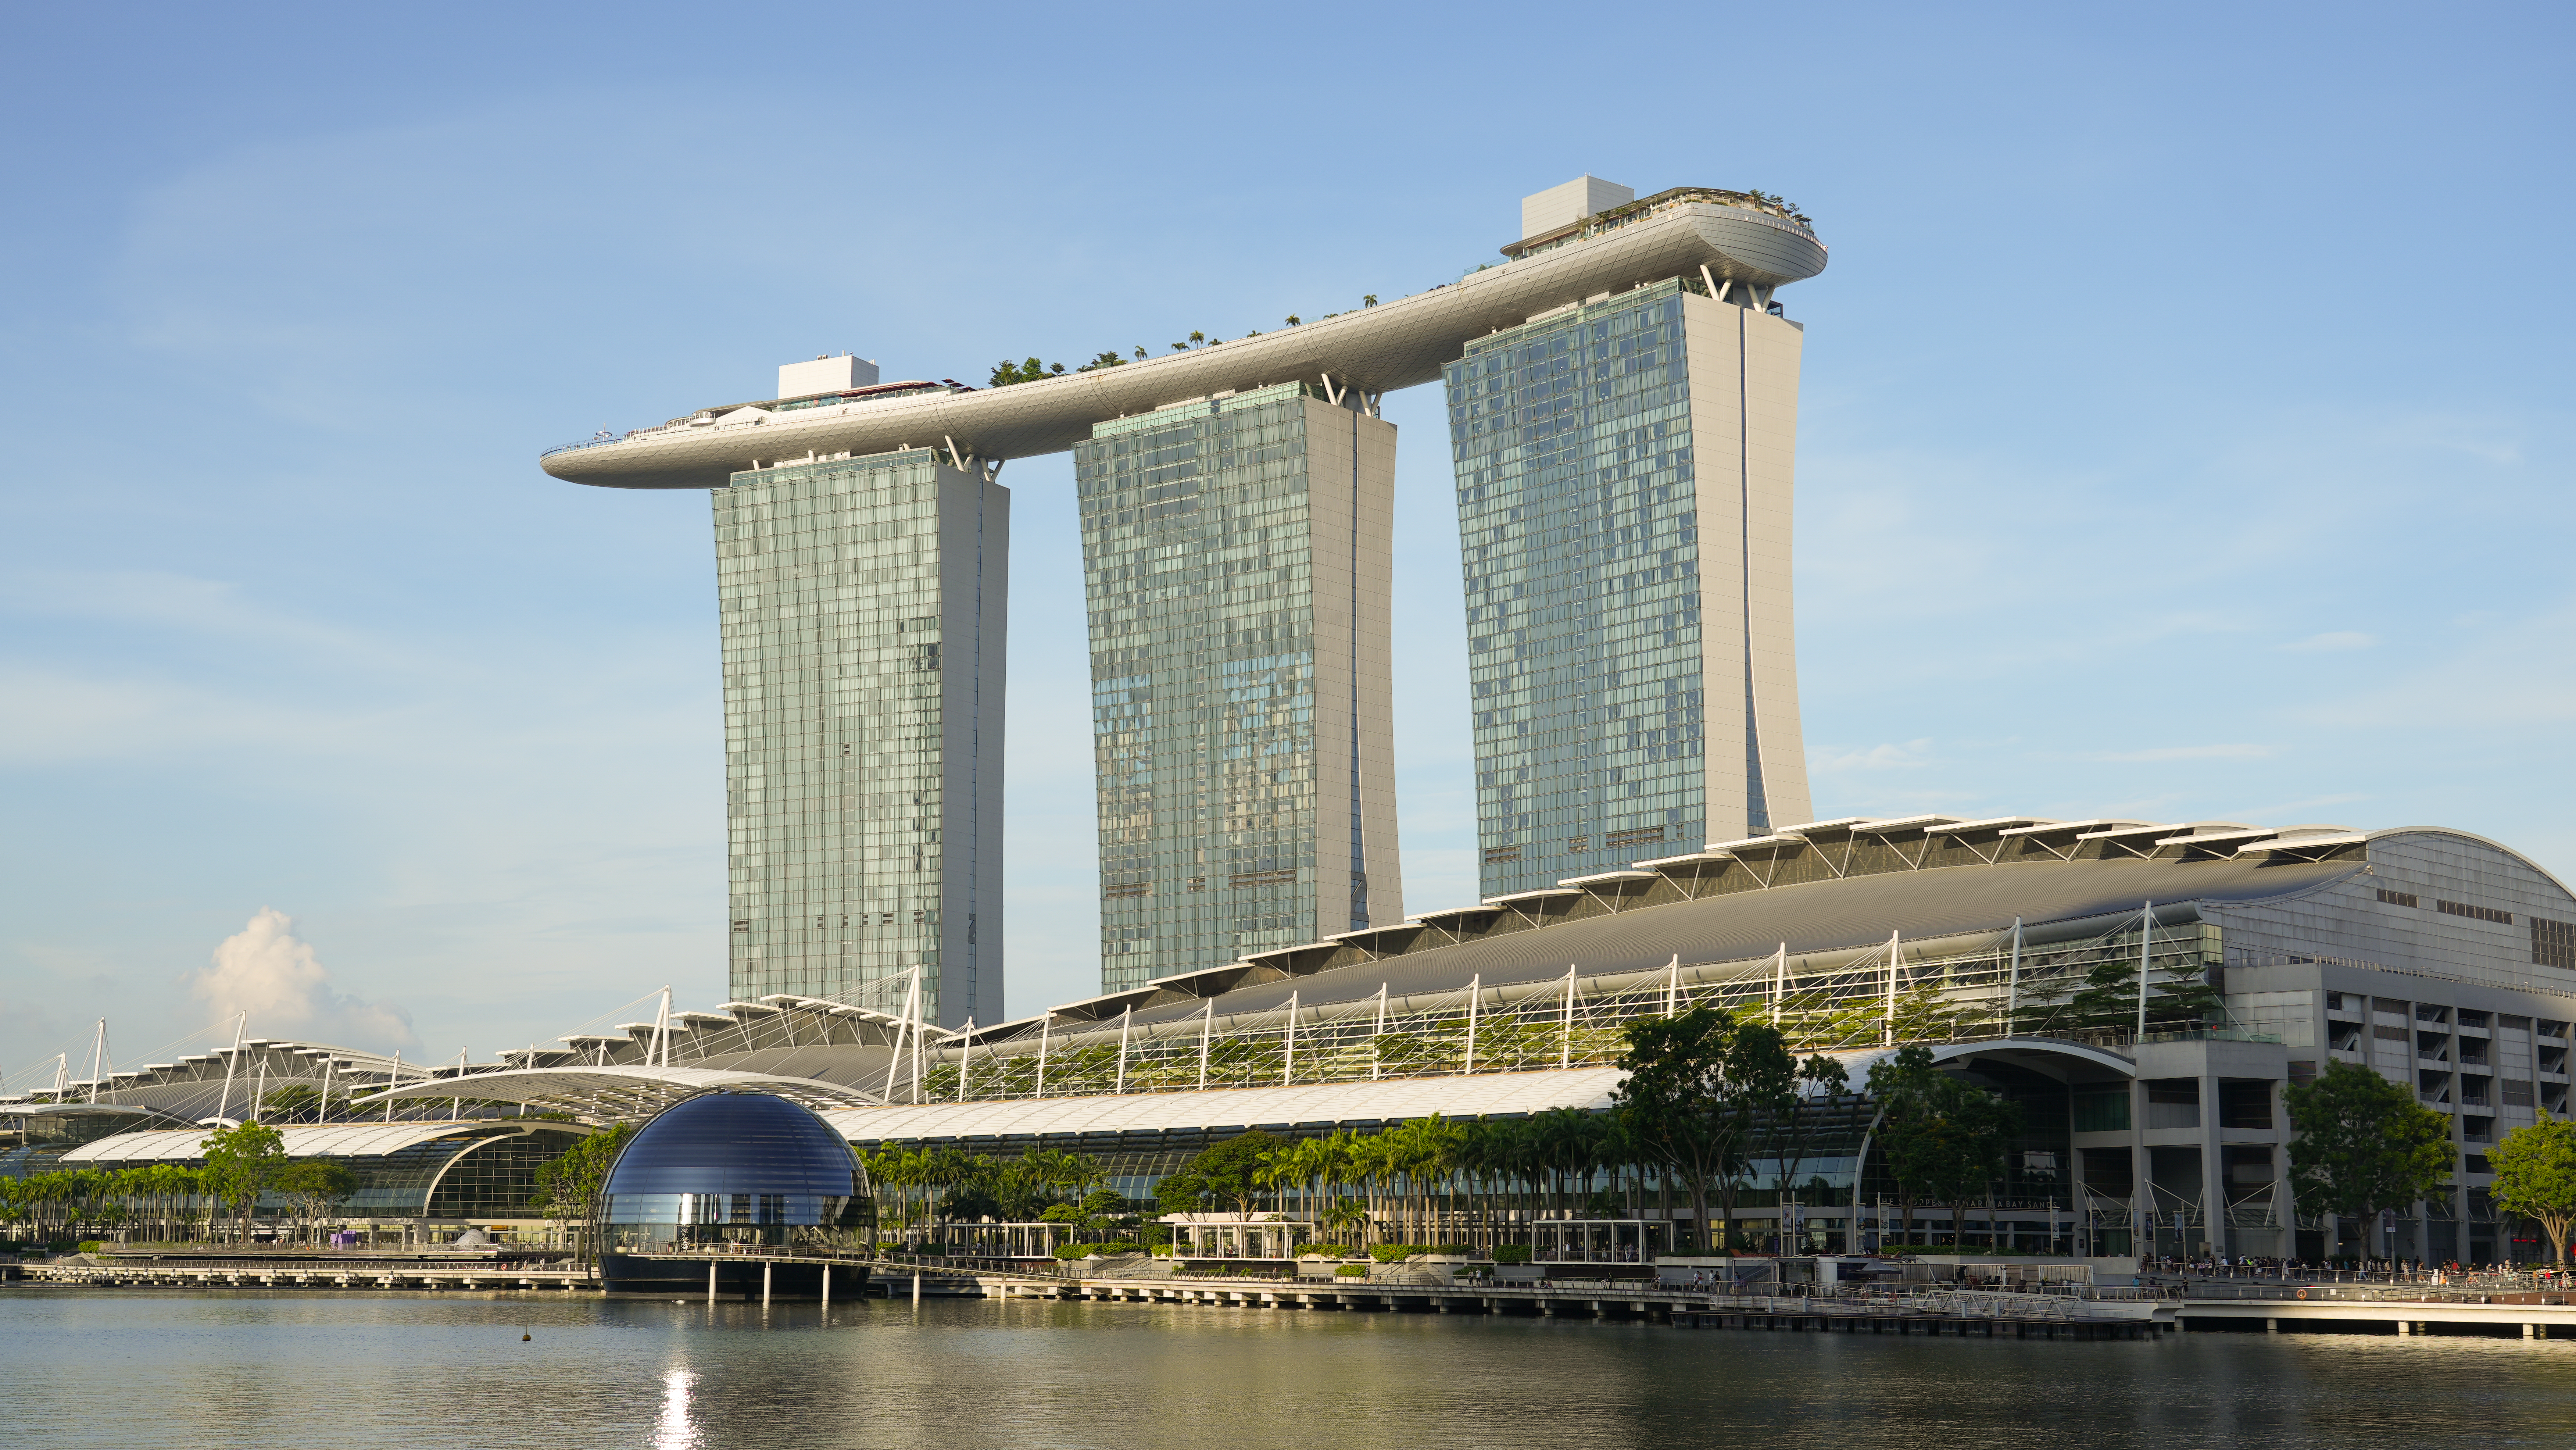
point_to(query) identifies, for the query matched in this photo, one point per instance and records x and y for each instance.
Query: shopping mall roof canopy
(305, 1140)
(617, 1092)
(1363, 1104)
(1316, 1105)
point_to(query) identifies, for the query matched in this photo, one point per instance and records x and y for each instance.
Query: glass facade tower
(862, 603)
(1237, 555)
(1624, 474)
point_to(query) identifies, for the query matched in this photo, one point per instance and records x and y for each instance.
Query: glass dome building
(739, 1172)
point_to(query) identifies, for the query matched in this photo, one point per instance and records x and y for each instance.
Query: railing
(600, 441)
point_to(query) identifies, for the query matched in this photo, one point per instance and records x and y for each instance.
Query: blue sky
(2185, 431)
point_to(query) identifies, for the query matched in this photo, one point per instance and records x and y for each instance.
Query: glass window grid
(829, 593)
(1579, 543)
(1198, 568)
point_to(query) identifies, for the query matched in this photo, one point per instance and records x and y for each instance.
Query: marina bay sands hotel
(1622, 398)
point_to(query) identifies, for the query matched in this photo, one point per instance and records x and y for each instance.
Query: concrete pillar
(765, 1266)
(2403, 1329)
(2527, 1331)
(827, 1286)
(2271, 1326)
(711, 1281)
(2213, 1162)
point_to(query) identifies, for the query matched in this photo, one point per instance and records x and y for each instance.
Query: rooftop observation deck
(1727, 238)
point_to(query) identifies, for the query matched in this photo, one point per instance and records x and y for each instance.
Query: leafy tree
(1292, 319)
(317, 1185)
(1104, 360)
(1007, 372)
(1945, 1137)
(240, 1163)
(1697, 1085)
(2107, 996)
(1228, 1172)
(2535, 1170)
(2362, 1143)
(568, 1188)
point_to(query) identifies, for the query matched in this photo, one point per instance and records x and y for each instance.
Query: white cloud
(2334, 639)
(266, 972)
(2191, 752)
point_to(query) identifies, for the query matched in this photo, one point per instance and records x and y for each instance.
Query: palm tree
(1369, 301)
(1292, 319)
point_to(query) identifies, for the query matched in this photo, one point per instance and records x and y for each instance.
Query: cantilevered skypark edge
(1685, 233)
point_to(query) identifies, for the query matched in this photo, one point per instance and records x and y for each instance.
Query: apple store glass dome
(732, 1167)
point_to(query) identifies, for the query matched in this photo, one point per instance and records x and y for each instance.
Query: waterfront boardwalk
(2195, 1304)
(284, 1272)
(1989, 1315)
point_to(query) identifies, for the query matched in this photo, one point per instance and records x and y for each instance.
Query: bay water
(151, 1368)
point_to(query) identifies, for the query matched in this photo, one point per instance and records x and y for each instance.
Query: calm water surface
(141, 1368)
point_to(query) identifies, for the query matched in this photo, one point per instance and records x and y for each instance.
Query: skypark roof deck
(1743, 252)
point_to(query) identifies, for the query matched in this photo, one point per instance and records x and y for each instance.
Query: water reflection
(145, 1368)
(674, 1431)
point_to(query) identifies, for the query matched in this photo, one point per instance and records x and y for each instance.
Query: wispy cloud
(2334, 639)
(1885, 756)
(2189, 752)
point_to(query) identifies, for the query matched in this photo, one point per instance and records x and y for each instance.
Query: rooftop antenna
(1887, 1032)
(2012, 985)
(2146, 940)
(920, 1004)
(903, 1025)
(1207, 1024)
(1565, 1054)
(225, 1107)
(1779, 983)
(1379, 1032)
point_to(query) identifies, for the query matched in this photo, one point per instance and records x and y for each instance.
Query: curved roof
(1816, 916)
(620, 1092)
(1160, 1112)
(733, 1143)
(1397, 345)
(1332, 1104)
(307, 1140)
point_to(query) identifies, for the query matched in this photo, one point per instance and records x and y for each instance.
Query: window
(2112, 1172)
(1504, 853)
(2478, 1163)
(2173, 1102)
(2245, 1104)
(2334, 1001)
(2517, 1094)
(2102, 1110)
(2473, 1019)
(2397, 898)
(2553, 943)
(2427, 1012)
(2462, 908)
(2302, 1073)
